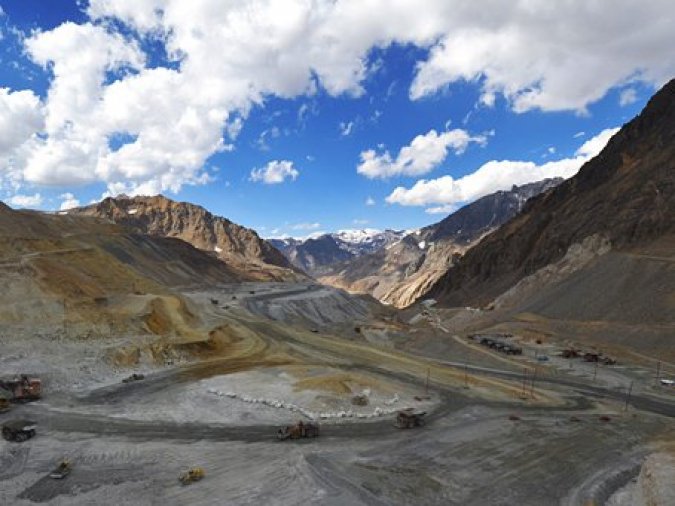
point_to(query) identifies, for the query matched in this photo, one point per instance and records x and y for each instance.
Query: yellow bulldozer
(191, 475)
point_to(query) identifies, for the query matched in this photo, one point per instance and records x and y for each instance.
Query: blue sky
(76, 79)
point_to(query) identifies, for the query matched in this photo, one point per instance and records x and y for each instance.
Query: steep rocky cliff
(625, 195)
(239, 247)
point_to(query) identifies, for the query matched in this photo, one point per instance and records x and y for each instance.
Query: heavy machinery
(23, 388)
(18, 431)
(409, 418)
(134, 377)
(297, 431)
(5, 397)
(191, 475)
(62, 470)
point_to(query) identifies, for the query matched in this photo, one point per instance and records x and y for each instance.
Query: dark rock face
(487, 213)
(626, 194)
(400, 274)
(239, 247)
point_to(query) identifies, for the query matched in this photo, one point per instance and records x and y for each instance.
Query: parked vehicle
(134, 377)
(299, 430)
(18, 431)
(409, 418)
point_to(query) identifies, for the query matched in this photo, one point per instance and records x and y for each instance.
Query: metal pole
(658, 371)
(630, 389)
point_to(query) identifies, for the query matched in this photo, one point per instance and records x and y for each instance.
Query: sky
(299, 116)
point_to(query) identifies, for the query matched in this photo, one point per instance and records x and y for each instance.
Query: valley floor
(281, 353)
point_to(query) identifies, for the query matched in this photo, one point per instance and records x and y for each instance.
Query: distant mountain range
(315, 255)
(400, 272)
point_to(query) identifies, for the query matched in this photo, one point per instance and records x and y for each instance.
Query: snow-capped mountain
(316, 253)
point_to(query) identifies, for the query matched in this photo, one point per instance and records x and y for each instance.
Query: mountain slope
(399, 274)
(239, 247)
(97, 276)
(625, 196)
(316, 255)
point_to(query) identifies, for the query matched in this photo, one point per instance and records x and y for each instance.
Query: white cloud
(360, 222)
(446, 209)
(422, 155)
(20, 117)
(275, 172)
(370, 201)
(551, 57)
(306, 226)
(579, 134)
(535, 54)
(346, 128)
(627, 97)
(493, 176)
(69, 201)
(30, 201)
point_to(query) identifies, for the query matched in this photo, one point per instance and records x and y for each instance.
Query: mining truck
(297, 431)
(22, 388)
(18, 430)
(409, 418)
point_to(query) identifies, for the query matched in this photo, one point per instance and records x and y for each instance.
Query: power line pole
(630, 389)
(534, 376)
(658, 371)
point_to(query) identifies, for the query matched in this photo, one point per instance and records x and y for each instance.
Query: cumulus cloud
(275, 172)
(25, 200)
(423, 154)
(545, 56)
(69, 201)
(627, 97)
(446, 192)
(370, 201)
(172, 118)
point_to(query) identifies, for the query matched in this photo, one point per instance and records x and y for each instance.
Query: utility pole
(466, 375)
(658, 371)
(426, 384)
(65, 321)
(534, 376)
(630, 389)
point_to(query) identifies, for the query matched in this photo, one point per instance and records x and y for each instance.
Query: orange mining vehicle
(299, 430)
(22, 388)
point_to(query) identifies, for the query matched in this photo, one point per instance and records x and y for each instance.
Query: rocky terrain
(625, 195)
(239, 247)
(317, 255)
(400, 273)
